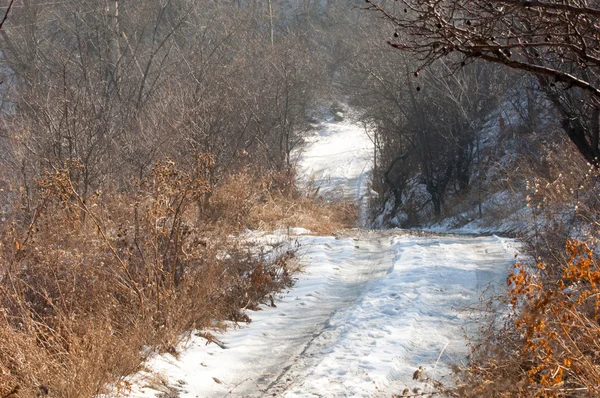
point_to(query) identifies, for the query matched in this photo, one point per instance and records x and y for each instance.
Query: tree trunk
(271, 24)
(573, 126)
(396, 190)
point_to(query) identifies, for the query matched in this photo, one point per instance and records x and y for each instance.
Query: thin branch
(6, 13)
(551, 6)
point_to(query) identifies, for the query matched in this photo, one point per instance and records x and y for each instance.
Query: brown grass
(85, 283)
(277, 204)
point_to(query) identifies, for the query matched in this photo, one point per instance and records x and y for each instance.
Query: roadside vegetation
(139, 141)
(89, 287)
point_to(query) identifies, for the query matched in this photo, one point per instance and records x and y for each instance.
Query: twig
(439, 356)
(100, 229)
(236, 386)
(211, 339)
(15, 389)
(4, 20)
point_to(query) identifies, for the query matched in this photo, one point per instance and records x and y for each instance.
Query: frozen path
(337, 161)
(338, 158)
(367, 310)
(370, 308)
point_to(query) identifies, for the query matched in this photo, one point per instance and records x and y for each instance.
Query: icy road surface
(369, 308)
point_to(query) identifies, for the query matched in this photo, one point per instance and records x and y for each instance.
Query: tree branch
(551, 6)
(6, 13)
(537, 69)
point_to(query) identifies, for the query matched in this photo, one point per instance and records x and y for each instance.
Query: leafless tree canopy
(557, 41)
(115, 85)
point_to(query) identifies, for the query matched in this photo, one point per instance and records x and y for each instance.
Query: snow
(363, 316)
(368, 308)
(337, 161)
(292, 231)
(407, 318)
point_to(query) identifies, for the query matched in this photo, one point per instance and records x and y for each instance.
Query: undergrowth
(540, 339)
(87, 282)
(546, 343)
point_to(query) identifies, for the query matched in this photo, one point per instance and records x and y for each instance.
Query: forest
(139, 139)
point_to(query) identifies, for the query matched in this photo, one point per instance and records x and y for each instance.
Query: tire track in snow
(373, 261)
(403, 320)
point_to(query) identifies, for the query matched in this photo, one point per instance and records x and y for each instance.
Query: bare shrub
(88, 283)
(541, 338)
(115, 233)
(546, 346)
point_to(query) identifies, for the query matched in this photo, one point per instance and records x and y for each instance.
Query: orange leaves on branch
(582, 267)
(522, 284)
(166, 179)
(559, 323)
(58, 183)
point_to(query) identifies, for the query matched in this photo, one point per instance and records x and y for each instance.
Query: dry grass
(277, 204)
(85, 283)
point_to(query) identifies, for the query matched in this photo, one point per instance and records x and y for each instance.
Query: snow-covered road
(369, 308)
(399, 306)
(337, 161)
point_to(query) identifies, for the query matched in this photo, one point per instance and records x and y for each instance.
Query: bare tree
(427, 124)
(557, 41)
(113, 86)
